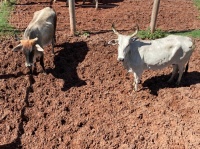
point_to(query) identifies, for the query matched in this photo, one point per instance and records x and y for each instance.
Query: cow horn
(114, 30)
(35, 39)
(136, 31)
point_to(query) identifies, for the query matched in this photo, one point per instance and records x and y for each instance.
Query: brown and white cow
(40, 32)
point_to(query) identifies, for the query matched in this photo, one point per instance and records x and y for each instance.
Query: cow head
(123, 42)
(28, 48)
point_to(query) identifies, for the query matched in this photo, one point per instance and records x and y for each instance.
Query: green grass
(5, 27)
(146, 34)
(82, 33)
(159, 34)
(197, 3)
(192, 33)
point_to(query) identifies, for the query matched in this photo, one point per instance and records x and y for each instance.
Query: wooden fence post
(72, 17)
(154, 15)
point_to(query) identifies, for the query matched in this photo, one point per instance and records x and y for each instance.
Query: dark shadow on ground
(100, 6)
(34, 3)
(95, 32)
(159, 82)
(7, 76)
(103, 4)
(17, 144)
(66, 62)
(181, 32)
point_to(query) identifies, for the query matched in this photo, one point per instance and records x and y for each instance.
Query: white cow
(40, 32)
(138, 55)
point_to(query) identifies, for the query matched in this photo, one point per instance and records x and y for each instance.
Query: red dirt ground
(86, 99)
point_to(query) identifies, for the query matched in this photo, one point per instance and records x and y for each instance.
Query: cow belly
(158, 66)
(163, 58)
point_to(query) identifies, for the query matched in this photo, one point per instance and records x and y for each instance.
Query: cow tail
(193, 47)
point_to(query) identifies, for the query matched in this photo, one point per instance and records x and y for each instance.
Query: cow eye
(113, 42)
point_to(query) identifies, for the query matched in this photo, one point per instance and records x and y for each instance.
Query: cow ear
(113, 42)
(17, 48)
(39, 48)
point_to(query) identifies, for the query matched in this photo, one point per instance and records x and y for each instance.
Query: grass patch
(192, 33)
(160, 34)
(197, 3)
(83, 33)
(5, 9)
(146, 34)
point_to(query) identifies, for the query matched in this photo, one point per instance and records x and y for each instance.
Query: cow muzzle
(28, 64)
(120, 59)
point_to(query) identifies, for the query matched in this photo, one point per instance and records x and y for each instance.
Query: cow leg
(42, 63)
(30, 70)
(34, 68)
(174, 72)
(137, 77)
(181, 70)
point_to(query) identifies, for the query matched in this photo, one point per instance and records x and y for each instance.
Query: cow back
(42, 26)
(157, 54)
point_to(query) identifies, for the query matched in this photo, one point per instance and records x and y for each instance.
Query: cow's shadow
(159, 82)
(66, 62)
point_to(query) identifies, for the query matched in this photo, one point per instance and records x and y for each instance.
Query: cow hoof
(169, 81)
(177, 83)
